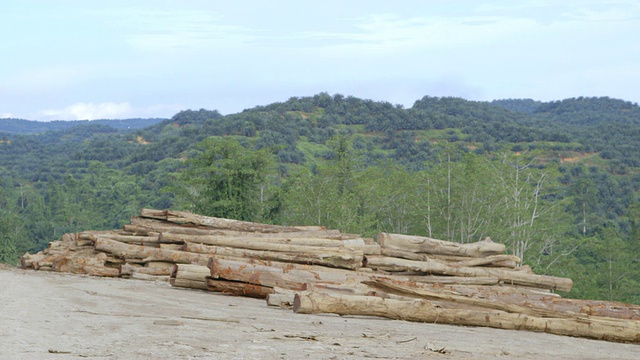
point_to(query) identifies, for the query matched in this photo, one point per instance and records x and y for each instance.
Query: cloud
(153, 30)
(89, 111)
(108, 110)
(6, 115)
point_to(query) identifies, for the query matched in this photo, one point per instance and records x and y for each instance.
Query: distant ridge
(21, 126)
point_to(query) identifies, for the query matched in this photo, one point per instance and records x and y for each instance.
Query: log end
(296, 303)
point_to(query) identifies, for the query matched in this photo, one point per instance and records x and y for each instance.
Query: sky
(86, 60)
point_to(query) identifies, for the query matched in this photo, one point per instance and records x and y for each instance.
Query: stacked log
(314, 270)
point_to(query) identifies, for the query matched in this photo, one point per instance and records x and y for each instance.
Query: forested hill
(558, 182)
(20, 126)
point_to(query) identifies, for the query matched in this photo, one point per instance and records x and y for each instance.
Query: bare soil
(60, 316)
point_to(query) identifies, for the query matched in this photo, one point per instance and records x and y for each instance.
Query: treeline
(558, 182)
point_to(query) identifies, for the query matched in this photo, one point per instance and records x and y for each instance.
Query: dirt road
(58, 316)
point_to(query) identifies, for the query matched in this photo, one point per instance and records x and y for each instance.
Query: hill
(559, 182)
(20, 126)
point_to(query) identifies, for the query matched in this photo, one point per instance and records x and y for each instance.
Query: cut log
(334, 257)
(437, 267)
(145, 224)
(154, 238)
(495, 304)
(239, 288)
(459, 280)
(160, 265)
(190, 272)
(258, 242)
(276, 274)
(181, 217)
(148, 253)
(508, 261)
(280, 300)
(425, 311)
(130, 269)
(420, 244)
(190, 284)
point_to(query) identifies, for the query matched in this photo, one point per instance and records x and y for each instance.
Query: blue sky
(79, 59)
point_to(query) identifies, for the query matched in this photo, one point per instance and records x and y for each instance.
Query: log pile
(314, 270)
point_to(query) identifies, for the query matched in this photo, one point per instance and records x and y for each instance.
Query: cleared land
(60, 316)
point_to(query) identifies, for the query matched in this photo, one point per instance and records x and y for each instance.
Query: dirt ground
(59, 316)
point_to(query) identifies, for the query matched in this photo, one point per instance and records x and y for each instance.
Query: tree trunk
(425, 311)
(129, 269)
(181, 217)
(334, 257)
(148, 253)
(139, 224)
(427, 245)
(190, 284)
(239, 288)
(508, 261)
(190, 272)
(248, 241)
(437, 267)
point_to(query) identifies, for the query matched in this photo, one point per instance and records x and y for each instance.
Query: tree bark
(427, 245)
(425, 311)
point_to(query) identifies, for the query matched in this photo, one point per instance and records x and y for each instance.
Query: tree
(225, 180)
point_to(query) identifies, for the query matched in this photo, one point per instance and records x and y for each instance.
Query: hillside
(21, 126)
(446, 167)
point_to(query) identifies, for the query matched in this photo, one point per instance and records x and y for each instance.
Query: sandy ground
(59, 316)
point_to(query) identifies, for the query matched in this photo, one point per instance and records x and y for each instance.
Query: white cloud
(108, 110)
(147, 29)
(89, 111)
(6, 115)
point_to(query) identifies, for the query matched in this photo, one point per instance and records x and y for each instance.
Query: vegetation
(558, 182)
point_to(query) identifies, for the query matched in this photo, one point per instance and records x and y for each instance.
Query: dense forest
(558, 182)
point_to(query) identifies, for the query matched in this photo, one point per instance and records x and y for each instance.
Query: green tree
(225, 180)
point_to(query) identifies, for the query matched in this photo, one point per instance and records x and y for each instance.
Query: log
(437, 267)
(283, 275)
(182, 217)
(424, 311)
(280, 300)
(153, 238)
(190, 284)
(239, 288)
(459, 280)
(190, 272)
(259, 242)
(148, 253)
(171, 246)
(496, 304)
(333, 257)
(319, 273)
(160, 265)
(508, 261)
(420, 244)
(145, 224)
(130, 269)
